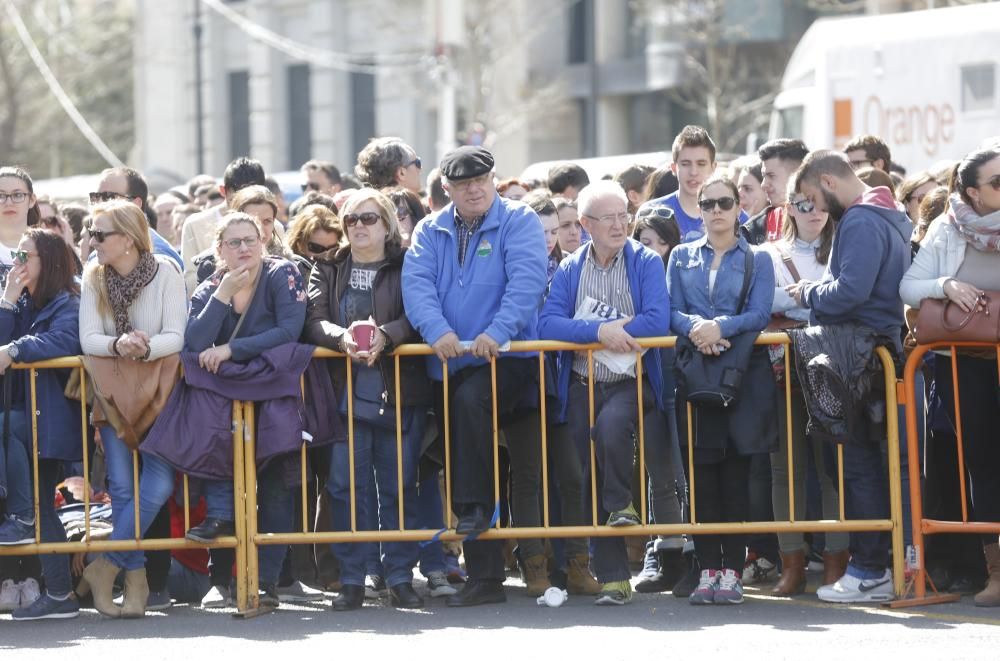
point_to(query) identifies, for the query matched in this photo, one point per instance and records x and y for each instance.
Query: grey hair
(598, 190)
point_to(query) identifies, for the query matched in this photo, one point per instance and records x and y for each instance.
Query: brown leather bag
(940, 320)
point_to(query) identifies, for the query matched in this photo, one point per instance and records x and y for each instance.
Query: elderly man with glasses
(612, 291)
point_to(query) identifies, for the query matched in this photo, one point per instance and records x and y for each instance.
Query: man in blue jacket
(870, 254)
(473, 280)
(611, 291)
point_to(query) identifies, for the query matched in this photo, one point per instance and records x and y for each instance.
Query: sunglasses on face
(317, 248)
(724, 203)
(16, 197)
(368, 218)
(416, 162)
(101, 235)
(106, 196)
(310, 186)
(804, 206)
(248, 241)
(22, 256)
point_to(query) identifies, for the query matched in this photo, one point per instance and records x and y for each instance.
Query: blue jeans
(430, 516)
(186, 585)
(866, 496)
(20, 500)
(376, 447)
(276, 513)
(156, 485)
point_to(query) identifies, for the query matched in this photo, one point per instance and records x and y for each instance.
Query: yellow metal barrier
(893, 524)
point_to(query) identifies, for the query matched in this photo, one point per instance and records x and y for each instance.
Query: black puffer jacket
(842, 382)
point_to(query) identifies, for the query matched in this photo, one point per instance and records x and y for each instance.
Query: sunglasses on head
(368, 218)
(100, 235)
(804, 206)
(106, 196)
(724, 203)
(663, 212)
(317, 248)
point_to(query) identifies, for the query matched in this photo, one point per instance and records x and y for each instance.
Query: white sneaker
(10, 597)
(30, 592)
(218, 597)
(759, 570)
(438, 585)
(852, 590)
(299, 592)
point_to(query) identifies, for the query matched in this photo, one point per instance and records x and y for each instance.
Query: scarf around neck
(983, 232)
(123, 290)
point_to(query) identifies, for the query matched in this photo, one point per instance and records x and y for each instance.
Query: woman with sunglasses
(353, 292)
(39, 320)
(18, 211)
(706, 284)
(129, 309)
(316, 231)
(959, 260)
(801, 254)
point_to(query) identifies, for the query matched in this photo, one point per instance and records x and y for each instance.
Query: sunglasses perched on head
(724, 203)
(106, 196)
(368, 218)
(663, 212)
(101, 235)
(804, 206)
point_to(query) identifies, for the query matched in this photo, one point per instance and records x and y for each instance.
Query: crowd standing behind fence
(217, 405)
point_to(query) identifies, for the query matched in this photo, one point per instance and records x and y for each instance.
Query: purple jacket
(194, 431)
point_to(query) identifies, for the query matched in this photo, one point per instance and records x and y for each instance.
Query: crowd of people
(211, 293)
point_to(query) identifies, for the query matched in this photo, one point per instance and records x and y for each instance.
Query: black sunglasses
(100, 235)
(317, 248)
(368, 218)
(725, 203)
(106, 196)
(416, 162)
(310, 186)
(804, 206)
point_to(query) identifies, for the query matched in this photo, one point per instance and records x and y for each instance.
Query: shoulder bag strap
(253, 293)
(786, 259)
(747, 276)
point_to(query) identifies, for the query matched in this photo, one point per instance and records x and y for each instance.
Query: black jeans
(472, 478)
(720, 495)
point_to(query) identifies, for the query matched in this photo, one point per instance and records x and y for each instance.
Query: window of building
(581, 16)
(362, 110)
(978, 87)
(299, 115)
(239, 114)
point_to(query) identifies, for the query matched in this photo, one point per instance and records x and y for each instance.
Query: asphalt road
(652, 626)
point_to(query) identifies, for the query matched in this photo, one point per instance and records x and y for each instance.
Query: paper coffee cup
(364, 335)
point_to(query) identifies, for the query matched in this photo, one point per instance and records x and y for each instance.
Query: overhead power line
(56, 88)
(327, 59)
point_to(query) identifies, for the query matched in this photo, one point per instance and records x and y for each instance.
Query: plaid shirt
(465, 231)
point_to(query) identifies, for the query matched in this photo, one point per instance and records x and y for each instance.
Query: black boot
(351, 598)
(478, 592)
(670, 568)
(404, 596)
(210, 530)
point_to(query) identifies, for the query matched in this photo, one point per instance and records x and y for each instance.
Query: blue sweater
(870, 254)
(496, 291)
(275, 315)
(648, 289)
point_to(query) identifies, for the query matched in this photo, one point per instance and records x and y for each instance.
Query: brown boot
(835, 566)
(136, 594)
(536, 575)
(793, 574)
(100, 575)
(991, 595)
(579, 580)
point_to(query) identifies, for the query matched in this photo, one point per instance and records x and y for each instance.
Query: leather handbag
(940, 320)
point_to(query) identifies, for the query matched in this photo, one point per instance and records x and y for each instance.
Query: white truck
(925, 81)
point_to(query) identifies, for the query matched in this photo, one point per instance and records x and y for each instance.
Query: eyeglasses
(317, 248)
(863, 163)
(993, 182)
(106, 196)
(248, 241)
(16, 197)
(610, 218)
(312, 185)
(415, 161)
(21, 256)
(662, 212)
(724, 203)
(368, 218)
(804, 206)
(100, 235)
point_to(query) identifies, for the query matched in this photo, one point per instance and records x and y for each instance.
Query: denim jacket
(691, 302)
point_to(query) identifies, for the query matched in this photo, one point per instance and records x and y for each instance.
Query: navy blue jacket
(52, 332)
(648, 287)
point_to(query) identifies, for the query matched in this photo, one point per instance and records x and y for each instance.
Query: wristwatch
(13, 352)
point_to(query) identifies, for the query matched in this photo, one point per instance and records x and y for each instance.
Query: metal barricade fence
(88, 543)
(922, 527)
(254, 539)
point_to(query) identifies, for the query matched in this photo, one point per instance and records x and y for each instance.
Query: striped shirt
(465, 230)
(609, 286)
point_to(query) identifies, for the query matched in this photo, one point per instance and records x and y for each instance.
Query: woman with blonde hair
(130, 309)
(316, 230)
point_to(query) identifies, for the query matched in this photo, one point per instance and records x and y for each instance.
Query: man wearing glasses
(611, 291)
(322, 177)
(128, 184)
(389, 162)
(869, 151)
(475, 274)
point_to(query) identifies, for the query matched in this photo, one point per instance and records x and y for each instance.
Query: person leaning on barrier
(859, 289)
(129, 309)
(959, 260)
(611, 292)
(350, 290)
(712, 303)
(39, 315)
(802, 253)
(475, 275)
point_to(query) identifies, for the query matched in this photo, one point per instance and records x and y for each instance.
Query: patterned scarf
(983, 232)
(122, 291)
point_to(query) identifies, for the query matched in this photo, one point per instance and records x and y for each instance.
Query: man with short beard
(870, 254)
